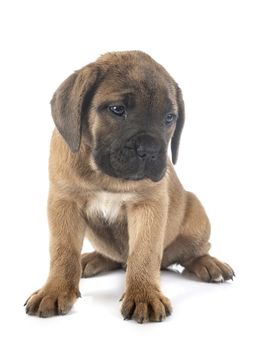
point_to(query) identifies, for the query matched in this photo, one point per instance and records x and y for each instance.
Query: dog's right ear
(179, 126)
(67, 104)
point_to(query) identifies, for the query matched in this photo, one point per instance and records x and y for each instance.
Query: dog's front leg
(61, 289)
(143, 300)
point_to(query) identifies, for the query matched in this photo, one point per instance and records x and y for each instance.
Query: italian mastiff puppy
(112, 181)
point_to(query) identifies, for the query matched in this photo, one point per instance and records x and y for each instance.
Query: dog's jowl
(111, 181)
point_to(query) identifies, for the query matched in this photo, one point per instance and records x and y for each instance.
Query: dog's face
(126, 107)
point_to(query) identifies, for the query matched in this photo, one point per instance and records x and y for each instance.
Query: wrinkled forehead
(137, 82)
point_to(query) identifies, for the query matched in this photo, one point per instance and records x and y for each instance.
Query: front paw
(147, 304)
(51, 300)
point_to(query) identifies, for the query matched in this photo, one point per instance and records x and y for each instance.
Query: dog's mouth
(142, 156)
(125, 165)
(137, 169)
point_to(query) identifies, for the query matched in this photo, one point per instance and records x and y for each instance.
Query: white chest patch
(107, 204)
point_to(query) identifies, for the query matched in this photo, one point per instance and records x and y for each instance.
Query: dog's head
(126, 108)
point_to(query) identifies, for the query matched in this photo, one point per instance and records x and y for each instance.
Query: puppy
(112, 181)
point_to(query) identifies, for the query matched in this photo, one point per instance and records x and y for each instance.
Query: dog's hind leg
(94, 263)
(190, 249)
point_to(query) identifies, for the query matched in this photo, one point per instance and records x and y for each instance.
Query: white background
(209, 47)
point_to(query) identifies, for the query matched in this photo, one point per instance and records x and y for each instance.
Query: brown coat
(112, 181)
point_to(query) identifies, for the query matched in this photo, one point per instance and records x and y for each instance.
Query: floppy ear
(67, 104)
(179, 126)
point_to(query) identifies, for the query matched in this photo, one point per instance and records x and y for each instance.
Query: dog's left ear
(179, 126)
(68, 102)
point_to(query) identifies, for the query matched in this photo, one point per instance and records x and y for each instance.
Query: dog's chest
(107, 205)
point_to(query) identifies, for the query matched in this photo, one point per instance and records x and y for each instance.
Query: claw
(26, 302)
(128, 316)
(122, 297)
(168, 312)
(141, 320)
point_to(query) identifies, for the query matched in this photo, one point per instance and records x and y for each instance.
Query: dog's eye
(170, 118)
(117, 110)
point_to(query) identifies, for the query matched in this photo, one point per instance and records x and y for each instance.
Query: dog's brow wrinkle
(118, 94)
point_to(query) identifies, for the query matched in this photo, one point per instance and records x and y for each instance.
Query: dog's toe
(210, 269)
(149, 306)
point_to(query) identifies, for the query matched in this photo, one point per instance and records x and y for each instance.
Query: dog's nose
(147, 147)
